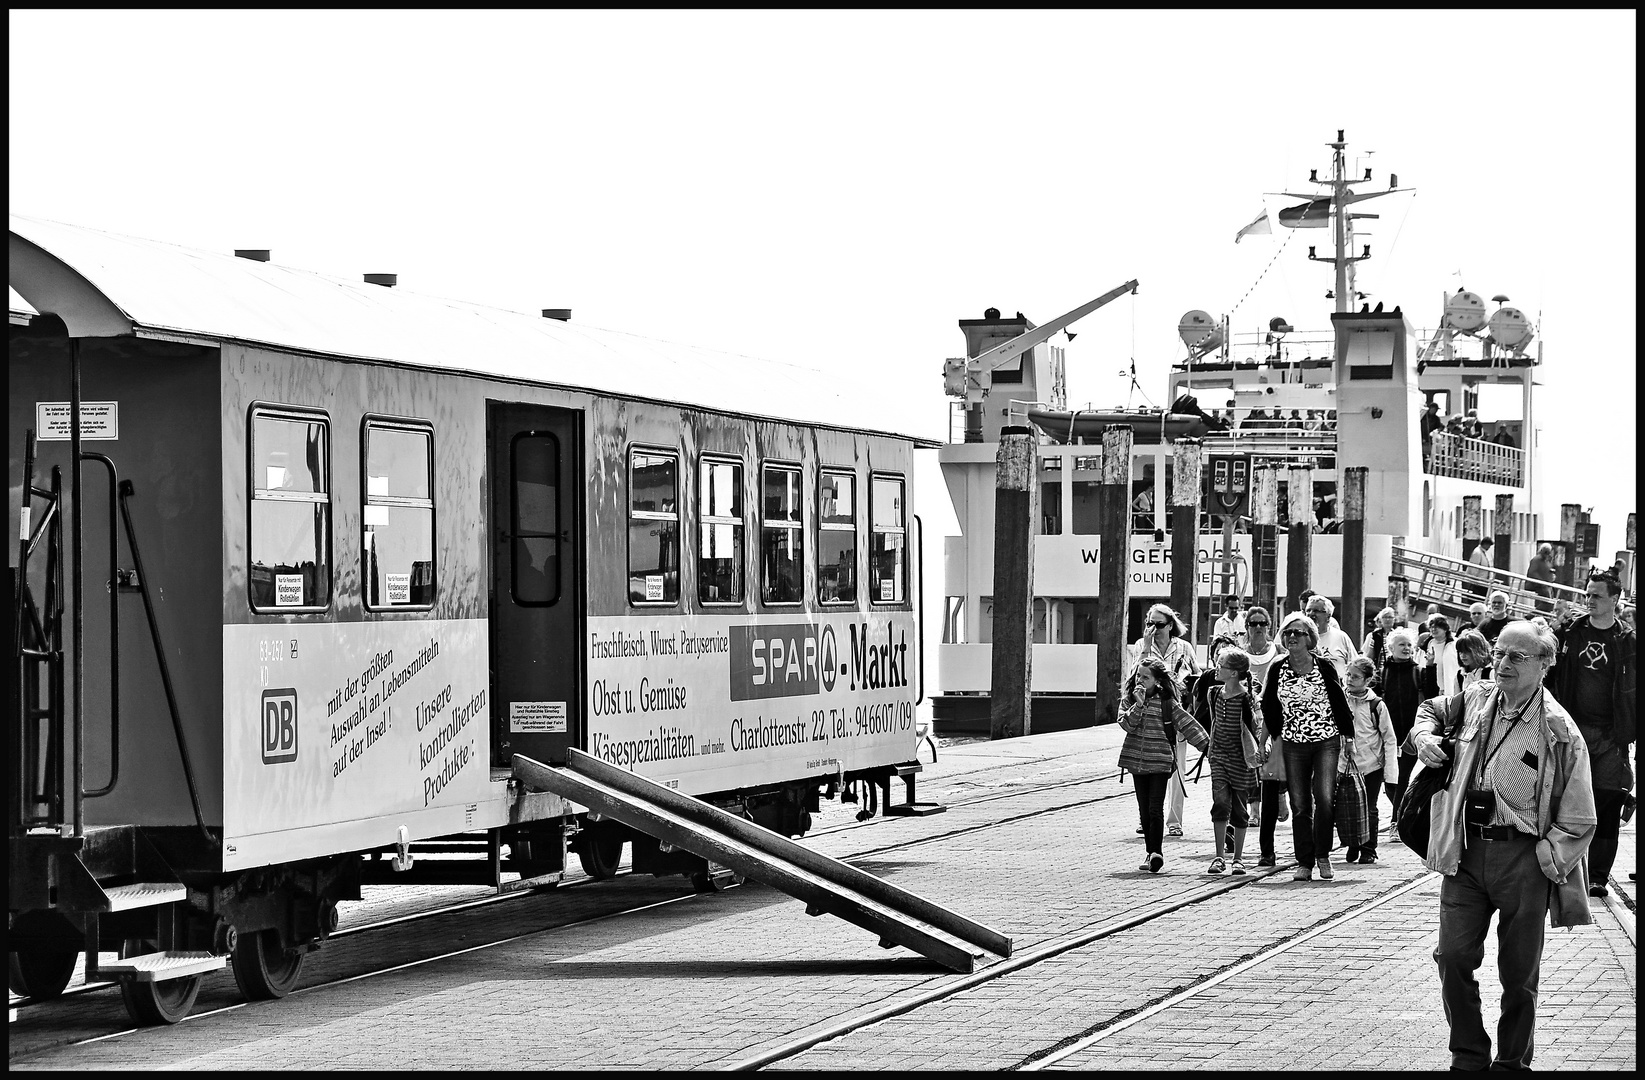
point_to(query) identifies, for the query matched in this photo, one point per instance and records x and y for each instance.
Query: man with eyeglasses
(1231, 623)
(1594, 680)
(1334, 645)
(1517, 814)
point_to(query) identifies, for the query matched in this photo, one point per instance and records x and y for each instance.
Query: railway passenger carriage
(380, 544)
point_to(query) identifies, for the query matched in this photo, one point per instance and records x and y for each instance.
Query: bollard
(1187, 455)
(1113, 581)
(1299, 549)
(1264, 526)
(1009, 713)
(1353, 549)
(1471, 515)
(1584, 558)
(1399, 598)
(1502, 526)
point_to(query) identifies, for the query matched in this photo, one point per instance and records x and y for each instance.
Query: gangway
(1456, 584)
(826, 885)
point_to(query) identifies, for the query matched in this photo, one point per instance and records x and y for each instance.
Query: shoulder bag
(1352, 816)
(1415, 812)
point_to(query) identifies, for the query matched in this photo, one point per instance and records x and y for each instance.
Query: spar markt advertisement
(349, 730)
(705, 702)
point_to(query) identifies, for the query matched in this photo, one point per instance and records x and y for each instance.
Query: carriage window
(534, 519)
(837, 539)
(397, 520)
(890, 544)
(290, 511)
(782, 546)
(653, 527)
(720, 520)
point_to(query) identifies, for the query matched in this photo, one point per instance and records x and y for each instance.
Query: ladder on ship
(828, 886)
(1455, 584)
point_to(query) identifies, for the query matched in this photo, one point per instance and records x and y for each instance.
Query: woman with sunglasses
(1270, 806)
(1166, 638)
(1155, 726)
(1304, 704)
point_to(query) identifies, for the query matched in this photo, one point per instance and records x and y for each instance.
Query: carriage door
(536, 474)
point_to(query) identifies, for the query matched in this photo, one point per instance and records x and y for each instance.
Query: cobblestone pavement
(714, 980)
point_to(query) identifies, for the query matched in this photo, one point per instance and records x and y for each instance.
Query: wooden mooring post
(1264, 526)
(1299, 549)
(1113, 577)
(1010, 707)
(1570, 517)
(1187, 459)
(1502, 527)
(1399, 598)
(1353, 550)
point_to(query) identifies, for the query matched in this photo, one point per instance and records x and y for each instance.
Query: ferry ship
(1353, 395)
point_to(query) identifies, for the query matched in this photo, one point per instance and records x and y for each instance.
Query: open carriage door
(536, 471)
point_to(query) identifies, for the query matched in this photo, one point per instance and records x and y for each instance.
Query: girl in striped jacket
(1153, 721)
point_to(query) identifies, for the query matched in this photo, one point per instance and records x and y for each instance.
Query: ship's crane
(961, 375)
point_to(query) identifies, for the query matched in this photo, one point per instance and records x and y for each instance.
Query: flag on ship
(1260, 225)
(1314, 214)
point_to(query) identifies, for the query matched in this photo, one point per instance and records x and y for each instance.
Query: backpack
(1415, 813)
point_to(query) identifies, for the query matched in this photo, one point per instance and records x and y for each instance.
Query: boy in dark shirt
(1594, 680)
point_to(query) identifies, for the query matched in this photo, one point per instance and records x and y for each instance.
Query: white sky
(838, 188)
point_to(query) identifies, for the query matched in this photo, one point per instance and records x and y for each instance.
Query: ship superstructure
(1350, 395)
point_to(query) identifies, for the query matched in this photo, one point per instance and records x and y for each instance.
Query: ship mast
(1341, 197)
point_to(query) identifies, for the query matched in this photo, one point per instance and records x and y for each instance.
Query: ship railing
(1456, 584)
(1459, 456)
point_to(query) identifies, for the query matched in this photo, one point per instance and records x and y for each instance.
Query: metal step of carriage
(161, 966)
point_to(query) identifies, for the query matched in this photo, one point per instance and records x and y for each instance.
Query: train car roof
(106, 285)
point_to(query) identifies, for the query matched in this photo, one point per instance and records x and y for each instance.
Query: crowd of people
(1533, 715)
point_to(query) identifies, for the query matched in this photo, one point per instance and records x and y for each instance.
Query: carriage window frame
(704, 518)
(634, 515)
(794, 529)
(824, 526)
(514, 531)
(263, 410)
(382, 422)
(875, 530)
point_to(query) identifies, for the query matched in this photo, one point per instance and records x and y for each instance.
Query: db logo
(279, 726)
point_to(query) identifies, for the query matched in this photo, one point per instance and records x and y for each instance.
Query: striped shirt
(1511, 754)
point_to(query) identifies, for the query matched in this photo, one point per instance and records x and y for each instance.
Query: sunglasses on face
(1256, 622)
(1295, 633)
(1158, 625)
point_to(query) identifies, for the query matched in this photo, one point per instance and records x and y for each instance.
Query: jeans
(1151, 807)
(1311, 772)
(1272, 792)
(1177, 791)
(1602, 852)
(1501, 876)
(1228, 806)
(1373, 790)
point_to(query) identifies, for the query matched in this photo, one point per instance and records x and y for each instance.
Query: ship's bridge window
(720, 522)
(397, 518)
(653, 526)
(837, 542)
(889, 553)
(290, 542)
(782, 535)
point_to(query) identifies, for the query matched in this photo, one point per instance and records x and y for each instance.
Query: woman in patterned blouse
(1303, 703)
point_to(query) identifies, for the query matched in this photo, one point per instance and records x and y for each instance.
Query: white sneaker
(1324, 865)
(1175, 830)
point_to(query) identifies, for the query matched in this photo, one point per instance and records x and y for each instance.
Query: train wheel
(156, 1002)
(41, 963)
(600, 852)
(264, 969)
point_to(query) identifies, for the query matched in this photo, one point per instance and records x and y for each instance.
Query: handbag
(1274, 767)
(1415, 812)
(1352, 816)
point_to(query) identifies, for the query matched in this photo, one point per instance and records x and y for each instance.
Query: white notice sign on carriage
(536, 716)
(98, 420)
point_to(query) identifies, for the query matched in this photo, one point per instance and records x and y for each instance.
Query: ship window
(290, 542)
(720, 575)
(888, 555)
(782, 530)
(397, 518)
(653, 527)
(837, 538)
(1370, 371)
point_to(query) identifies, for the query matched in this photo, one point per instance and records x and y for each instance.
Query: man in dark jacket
(1594, 680)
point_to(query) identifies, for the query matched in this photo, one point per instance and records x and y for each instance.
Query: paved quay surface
(1038, 842)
